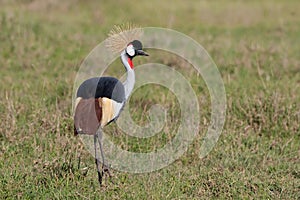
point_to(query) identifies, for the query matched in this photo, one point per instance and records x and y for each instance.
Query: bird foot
(101, 174)
(106, 170)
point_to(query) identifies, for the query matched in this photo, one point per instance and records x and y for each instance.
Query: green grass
(256, 48)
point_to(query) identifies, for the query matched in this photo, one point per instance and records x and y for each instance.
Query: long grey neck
(130, 80)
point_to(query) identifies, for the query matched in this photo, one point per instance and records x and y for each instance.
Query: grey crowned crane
(100, 100)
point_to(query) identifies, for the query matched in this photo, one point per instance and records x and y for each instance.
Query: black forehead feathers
(137, 45)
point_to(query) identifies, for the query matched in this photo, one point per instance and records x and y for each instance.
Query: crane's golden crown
(121, 35)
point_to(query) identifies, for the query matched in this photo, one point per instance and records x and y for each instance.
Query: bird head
(135, 48)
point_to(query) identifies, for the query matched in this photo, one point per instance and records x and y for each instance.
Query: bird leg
(105, 168)
(100, 173)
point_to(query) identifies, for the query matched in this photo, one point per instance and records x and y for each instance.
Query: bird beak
(142, 53)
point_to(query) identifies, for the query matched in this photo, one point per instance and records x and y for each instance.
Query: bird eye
(130, 50)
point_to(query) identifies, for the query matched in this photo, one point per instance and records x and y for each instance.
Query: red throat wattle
(130, 63)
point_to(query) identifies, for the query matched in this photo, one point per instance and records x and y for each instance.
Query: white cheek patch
(130, 50)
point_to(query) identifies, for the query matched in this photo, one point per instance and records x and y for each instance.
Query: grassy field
(255, 45)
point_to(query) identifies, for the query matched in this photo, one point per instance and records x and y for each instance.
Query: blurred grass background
(255, 44)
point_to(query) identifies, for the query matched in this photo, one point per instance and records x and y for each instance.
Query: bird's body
(100, 100)
(104, 96)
